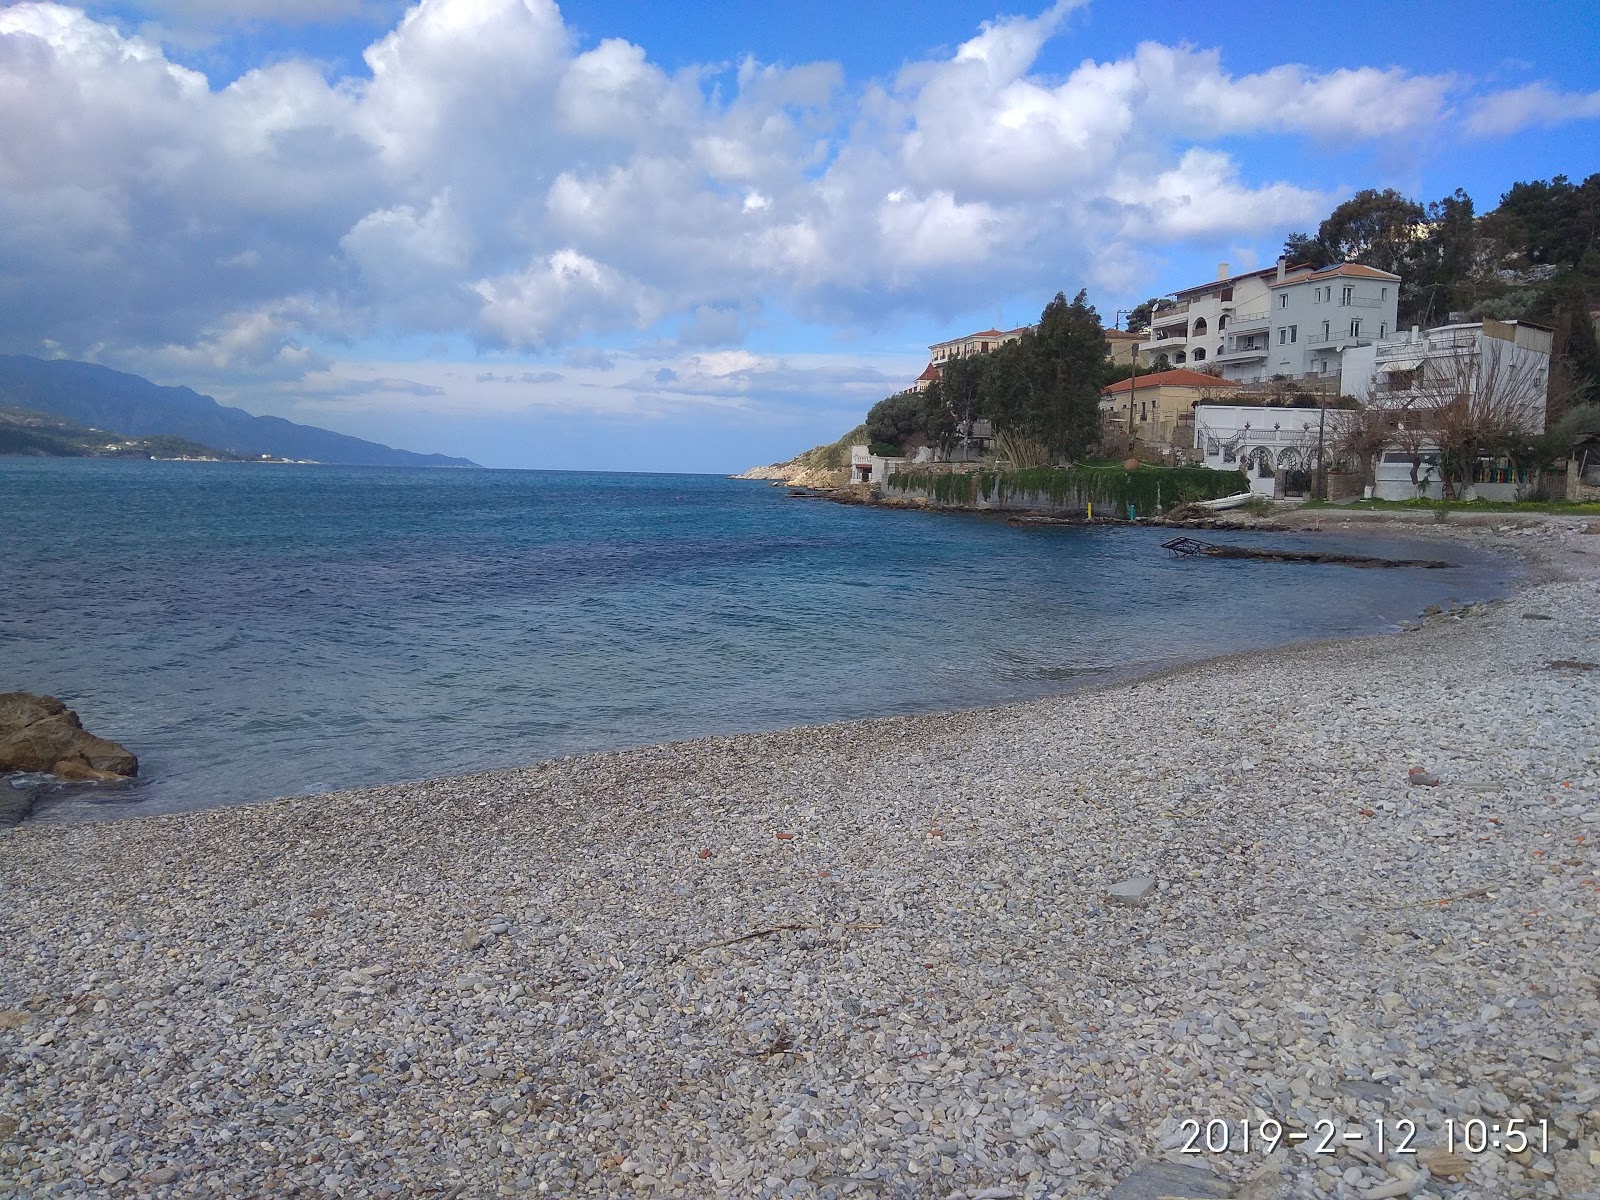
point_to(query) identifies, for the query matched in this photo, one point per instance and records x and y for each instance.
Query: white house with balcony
(1285, 320)
(1504, 364)
(1314, 318)
(1190, 328)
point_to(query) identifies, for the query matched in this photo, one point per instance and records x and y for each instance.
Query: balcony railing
(1250, 320)
(1242, 353)
(1361, 302)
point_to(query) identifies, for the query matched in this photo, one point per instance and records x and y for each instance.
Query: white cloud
(493, 178)
(218, 13)
(1537, 104)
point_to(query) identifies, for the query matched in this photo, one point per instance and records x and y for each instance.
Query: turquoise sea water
(254, 630)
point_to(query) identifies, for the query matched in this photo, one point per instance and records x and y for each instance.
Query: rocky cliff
(826, 466)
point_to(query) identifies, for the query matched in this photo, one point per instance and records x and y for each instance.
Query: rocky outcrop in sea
(39, 734)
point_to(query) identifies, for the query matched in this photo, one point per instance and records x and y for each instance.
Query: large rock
(39, 733)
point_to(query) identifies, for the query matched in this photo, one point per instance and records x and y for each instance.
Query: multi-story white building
(1284, 320)
(981, 342)
(1189, 329)
(1503, 365)
(1408, 369)
(1313, 319)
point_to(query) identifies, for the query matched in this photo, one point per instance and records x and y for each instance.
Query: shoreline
(873, 957)
(1529, 559)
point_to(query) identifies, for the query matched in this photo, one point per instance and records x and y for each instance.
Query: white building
(1189, 329)
(1409, 368)
(981, 342)
(1502, 363)
(1276, 446)
(1284, 320)
(1314, 320)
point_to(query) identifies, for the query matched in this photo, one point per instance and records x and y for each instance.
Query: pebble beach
(988, 954)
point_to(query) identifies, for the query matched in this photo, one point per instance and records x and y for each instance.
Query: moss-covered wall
(1148, 489)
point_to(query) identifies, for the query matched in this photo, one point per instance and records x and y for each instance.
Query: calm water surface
(256, 630)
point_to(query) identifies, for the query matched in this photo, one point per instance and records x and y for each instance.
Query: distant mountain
(99, 397)
(39, 435)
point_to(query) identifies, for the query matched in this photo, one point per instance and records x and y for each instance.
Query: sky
(614, 236)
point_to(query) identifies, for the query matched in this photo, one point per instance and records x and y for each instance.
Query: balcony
(1242, 354)
(1246, 322)
(1361, 302)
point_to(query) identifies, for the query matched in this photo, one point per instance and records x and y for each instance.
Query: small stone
(115, 1173)
(1442, 1162)
(1131, 892)
(161, 1175)
(1420, 777)
(1387, 1190)
(500, 928)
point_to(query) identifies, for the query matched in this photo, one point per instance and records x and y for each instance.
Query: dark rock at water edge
(39, 734)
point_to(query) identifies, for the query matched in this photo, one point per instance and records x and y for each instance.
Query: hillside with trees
(1535, 257)
(1041, 392)
(38, 435)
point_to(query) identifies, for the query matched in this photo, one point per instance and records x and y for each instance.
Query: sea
(255, 630)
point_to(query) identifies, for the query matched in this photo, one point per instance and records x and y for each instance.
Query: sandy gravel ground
(879, 958)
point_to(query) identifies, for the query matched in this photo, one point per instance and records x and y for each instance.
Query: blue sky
(638, 237)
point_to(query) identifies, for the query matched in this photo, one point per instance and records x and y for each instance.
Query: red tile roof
(1178, 378)
(1231, 279)
(929, 372)
(1351, 270)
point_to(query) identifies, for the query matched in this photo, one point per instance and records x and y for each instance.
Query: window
(1227, 293)
(1316, 296)
(1325, 332)
(1222, 323)
(1383, 293)
(1283, 299)
(1383, 326)
(1283, 336)
(1200, 353)
(1347, 295)
(1294, 331)
(1355, 327)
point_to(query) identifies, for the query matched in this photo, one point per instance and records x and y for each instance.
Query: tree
(1363, 434)
(1482, 402)
(1378, 229)
(1574, 352)
(1552, 222)
(1303, 248)
(895, 419)
(1067, 351)
(1437, 280)
(1139, 317)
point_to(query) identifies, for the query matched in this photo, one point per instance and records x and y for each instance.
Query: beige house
(1158, 408)
(1124, 346)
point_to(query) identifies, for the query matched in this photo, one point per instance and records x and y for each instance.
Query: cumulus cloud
(1537, 104)
(489, 176)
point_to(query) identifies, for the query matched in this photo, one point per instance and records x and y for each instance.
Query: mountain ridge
(103, 398)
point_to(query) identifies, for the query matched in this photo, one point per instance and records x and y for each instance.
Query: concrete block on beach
(1131, 893)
